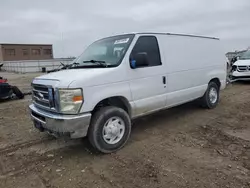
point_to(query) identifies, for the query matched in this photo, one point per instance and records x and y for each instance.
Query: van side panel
(191, 63)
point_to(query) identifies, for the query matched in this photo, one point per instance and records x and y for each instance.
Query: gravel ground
(181, 147)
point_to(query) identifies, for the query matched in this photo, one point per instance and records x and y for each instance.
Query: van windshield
(107, 52)
(245, 55)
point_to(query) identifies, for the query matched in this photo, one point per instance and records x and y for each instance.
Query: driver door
(148, 82)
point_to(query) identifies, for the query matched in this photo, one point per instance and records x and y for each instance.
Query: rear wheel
(110, 129)
(211, 97)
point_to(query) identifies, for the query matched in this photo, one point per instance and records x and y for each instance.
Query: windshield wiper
(102, 63)
(71, 65)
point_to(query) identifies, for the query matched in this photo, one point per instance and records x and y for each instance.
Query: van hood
(242, 62)
(80, 77)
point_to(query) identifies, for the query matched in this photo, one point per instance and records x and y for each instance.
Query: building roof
(25, 44)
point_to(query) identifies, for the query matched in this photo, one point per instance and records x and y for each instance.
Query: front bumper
(235, 76)
(76, 126)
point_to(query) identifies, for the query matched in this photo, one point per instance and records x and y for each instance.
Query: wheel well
(217, 81)
(120, 102)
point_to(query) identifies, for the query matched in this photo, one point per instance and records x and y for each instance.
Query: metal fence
(29, 66)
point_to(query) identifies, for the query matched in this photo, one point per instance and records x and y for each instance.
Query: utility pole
(62, 44)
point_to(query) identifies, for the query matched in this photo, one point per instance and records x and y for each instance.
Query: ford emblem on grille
(40, 95)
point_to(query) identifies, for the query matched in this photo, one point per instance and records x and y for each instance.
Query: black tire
(205, 100)
(17, 92)
(95, 132)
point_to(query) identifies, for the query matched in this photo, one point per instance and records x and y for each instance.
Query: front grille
(43, 96)
(234, 68)
(242, 68)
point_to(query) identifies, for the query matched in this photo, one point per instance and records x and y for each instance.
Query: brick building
(15, 52)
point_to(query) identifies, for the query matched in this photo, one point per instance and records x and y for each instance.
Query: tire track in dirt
(26, 156)
(23, 145)
(221, 137)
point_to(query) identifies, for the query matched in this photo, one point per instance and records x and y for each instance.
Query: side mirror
(139, 60)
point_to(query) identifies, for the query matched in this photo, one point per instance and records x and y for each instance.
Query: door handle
(164, 79)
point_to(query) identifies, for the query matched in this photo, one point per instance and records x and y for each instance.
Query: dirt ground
(181, 147)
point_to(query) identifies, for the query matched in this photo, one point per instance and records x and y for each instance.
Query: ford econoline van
(119, 78)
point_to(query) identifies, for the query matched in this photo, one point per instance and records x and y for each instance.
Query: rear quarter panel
(191, 62)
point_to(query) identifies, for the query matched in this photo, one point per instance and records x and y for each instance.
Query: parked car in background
(7, 91)
(241, 68)
(123, 77)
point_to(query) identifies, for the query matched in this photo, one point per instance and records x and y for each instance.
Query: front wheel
(211, 98)
(110, 129)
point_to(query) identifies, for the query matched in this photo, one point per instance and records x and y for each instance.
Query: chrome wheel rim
(213, 95)
(113, 130)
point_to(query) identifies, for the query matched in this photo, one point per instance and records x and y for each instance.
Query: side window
(147, 45)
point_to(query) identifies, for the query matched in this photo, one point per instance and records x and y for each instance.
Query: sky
(72, 25)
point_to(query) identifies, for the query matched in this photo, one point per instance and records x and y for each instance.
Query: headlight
(70, 100)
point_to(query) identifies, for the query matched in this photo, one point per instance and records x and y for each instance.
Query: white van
(120, 78)
(241, 68)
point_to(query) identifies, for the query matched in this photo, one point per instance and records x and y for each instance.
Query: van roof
(175, 34)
